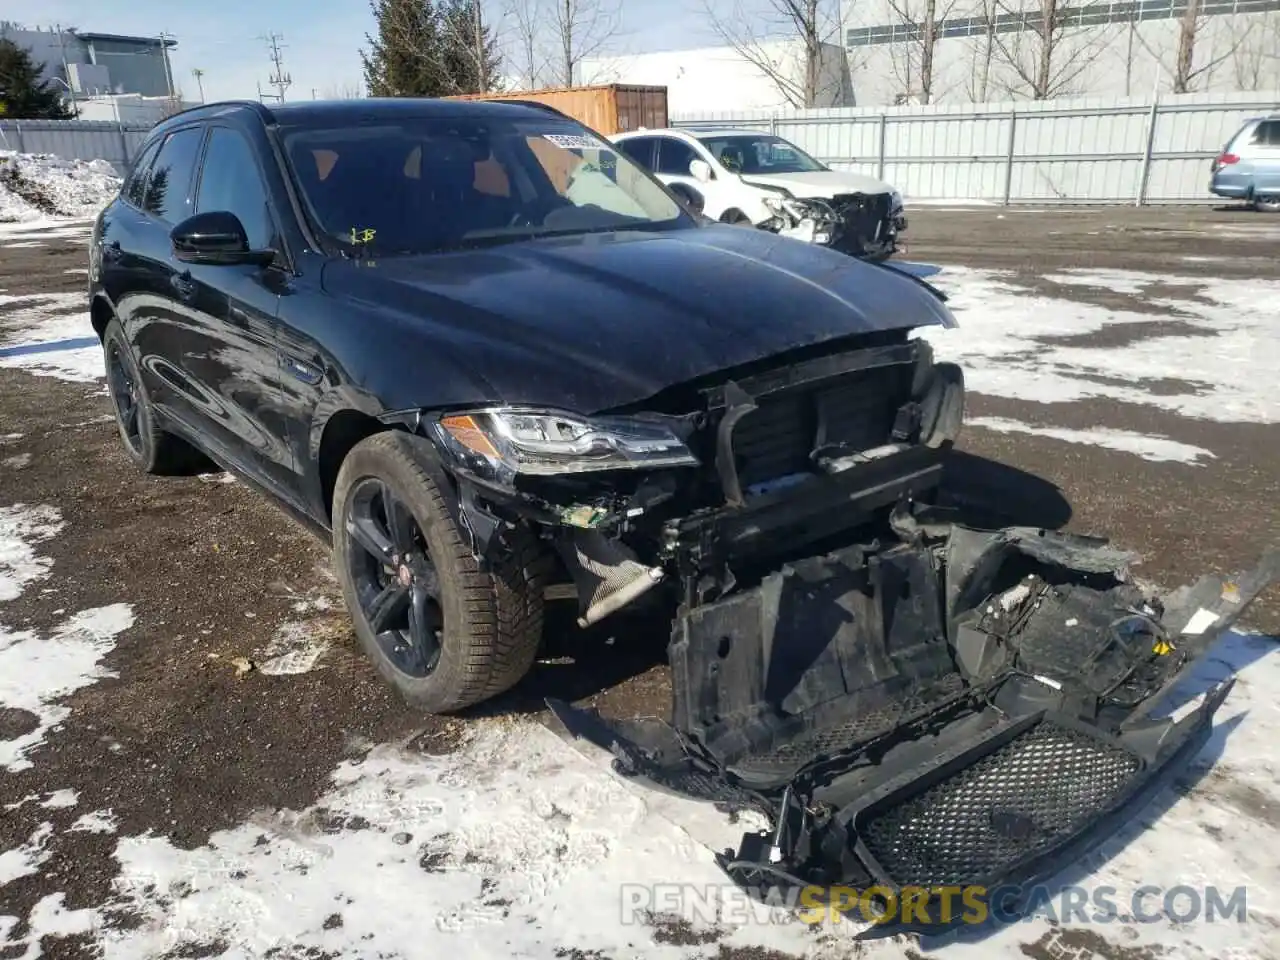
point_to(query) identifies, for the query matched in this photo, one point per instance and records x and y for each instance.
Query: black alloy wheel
(397, 584)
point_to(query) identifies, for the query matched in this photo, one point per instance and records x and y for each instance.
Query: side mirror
(700, 170)
(216, 237)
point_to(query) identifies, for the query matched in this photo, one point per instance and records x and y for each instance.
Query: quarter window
(232, 182)
(169, 186)
(135, 187)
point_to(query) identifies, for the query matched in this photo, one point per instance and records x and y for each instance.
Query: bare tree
(1051, 51)
(753, 32)
(983, 49)
(580, 29)
(1255, 57)
(913, 59)
(524, 19)
(1190, 62)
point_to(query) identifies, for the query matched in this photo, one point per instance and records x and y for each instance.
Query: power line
(280, 79)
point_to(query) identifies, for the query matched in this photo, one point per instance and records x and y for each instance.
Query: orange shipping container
(608, 109)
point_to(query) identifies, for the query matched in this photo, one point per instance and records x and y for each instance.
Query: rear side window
(639, 149)
(1267, 134)
(231, 181)
(674, 157)
(134, 189)
(169, 185)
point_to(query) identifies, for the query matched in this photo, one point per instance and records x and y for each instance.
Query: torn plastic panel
(964, 708)
(858, 223)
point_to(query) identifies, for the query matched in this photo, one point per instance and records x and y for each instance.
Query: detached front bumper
(932, 722)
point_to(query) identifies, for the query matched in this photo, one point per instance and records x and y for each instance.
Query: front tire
(441, 631)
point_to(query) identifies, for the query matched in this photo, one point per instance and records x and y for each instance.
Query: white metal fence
(75, 139)
(1063, 151)
(1059, 151)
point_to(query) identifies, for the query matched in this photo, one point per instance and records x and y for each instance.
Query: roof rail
(261, 108)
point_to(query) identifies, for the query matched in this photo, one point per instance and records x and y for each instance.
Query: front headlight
(507, 441)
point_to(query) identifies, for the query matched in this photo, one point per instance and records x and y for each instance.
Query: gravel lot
(177, 740)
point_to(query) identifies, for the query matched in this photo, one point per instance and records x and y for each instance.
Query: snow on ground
(21, 527)
(36, 186)
(297, 647)
(1158, 449)
(50, 334)
(520, 845)
(37, 671)
(1012, 343)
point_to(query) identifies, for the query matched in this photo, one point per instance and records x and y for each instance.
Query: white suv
(747, 177)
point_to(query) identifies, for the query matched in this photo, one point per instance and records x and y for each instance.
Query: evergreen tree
(23, 95)
(471, 56)
(406, 58)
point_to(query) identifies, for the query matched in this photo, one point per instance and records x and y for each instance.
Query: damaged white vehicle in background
(757, 179)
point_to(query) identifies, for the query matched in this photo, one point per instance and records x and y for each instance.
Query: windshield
(422, 185)
(759, 153)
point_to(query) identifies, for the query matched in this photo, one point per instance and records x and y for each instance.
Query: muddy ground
(183, 743)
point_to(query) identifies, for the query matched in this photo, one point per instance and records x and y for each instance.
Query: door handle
(183, 285)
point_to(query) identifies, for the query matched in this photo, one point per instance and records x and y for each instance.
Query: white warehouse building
(994, 49)
(986, 50)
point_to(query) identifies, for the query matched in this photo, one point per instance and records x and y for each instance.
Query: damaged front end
(914, 704)
(859, 224)
(934, 709)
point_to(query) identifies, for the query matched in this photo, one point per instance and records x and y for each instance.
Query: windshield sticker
(573, 141)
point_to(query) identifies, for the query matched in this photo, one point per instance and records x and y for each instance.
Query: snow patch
(24, 860)
(296, 648)
(36, 186)
(36, 672)
(1154, 448)
(99, 821)
(20, 527)
(52, 336)
(18, 462)
(1001, 345)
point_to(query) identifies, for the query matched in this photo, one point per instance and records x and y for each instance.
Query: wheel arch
(101, 312)
(341, 431)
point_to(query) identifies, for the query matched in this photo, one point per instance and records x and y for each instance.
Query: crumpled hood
(821, 183)
(592, 322)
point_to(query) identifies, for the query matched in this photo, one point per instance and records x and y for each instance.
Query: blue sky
(322, 40)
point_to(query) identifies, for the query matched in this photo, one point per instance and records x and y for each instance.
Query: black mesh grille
(1034, 791)
(777, 437)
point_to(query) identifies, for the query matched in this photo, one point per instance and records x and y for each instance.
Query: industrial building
(992, 49)
(88, 64)
(985, 50)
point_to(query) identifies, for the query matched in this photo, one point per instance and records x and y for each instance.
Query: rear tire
(482, 628)
(152, 449)
(736, 218)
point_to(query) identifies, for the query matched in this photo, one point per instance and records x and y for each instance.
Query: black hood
(589, 323)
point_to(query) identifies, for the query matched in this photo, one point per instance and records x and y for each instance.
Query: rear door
(143, 260)
(228, 336)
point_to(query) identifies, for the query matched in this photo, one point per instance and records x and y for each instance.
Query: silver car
(1249, 166)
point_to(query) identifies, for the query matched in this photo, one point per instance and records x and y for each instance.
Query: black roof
(324, 112)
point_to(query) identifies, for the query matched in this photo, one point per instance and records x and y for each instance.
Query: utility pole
(165, 37)
(66, 71)
(199, 75)
(280, 80)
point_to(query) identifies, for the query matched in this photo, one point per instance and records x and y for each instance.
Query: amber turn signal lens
(467, 432)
